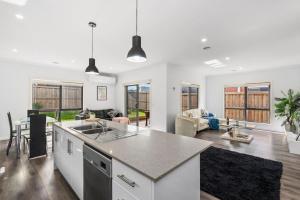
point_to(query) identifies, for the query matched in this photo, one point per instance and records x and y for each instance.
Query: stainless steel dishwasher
(97, 175)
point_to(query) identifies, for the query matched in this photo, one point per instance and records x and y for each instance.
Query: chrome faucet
(103, 125)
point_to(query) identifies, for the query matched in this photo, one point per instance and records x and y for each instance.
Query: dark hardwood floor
(267, 145)
(35, 179)
(31, 179)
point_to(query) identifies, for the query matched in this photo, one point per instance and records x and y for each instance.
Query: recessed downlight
(72, 61)
(204, 40)
(15, 50)
(227, 58)
(19, 16)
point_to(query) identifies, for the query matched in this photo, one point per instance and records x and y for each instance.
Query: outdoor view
(249, 102)
(138, 102)
(62, 102)
(189, 98)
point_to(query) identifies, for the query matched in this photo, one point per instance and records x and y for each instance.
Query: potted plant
(287, 107)
(37, 106)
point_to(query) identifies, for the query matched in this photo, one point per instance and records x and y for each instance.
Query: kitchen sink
(107, 134)
(96, 130)
(87, 127)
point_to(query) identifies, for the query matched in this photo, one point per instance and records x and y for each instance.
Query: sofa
(103, 114)
(190, 122)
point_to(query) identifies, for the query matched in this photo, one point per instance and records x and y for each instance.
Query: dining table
(26, 122)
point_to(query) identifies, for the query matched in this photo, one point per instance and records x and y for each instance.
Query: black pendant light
(136, 53)
(92, 69)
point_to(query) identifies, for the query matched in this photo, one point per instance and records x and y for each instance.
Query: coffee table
(247, 139)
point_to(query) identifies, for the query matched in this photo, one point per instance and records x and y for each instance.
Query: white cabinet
(132, 181)
(120, 193)
(181, 183)
(68, 158)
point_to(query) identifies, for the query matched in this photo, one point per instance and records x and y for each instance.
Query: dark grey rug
(234, 176)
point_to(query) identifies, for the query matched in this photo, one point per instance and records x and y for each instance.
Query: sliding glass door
(132, 103)
(138, 104)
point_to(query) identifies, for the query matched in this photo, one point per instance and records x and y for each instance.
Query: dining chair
(13, 134)
(32, 112)
(36, 141)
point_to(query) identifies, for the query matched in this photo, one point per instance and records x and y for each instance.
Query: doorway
(138, 104)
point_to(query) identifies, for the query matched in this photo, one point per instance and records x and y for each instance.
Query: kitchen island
(151, 165)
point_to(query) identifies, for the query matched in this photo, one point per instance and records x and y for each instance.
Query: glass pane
(69, 114)
(71, 97)
(45, 97)
(185, 98)
(234, 100)
(132, 95)
(258, 116)
(49, 114)
(258, 97)
(144, 95)
(193, 97)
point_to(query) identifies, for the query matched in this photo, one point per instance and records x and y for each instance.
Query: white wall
(281, 79)
(165, 102)
(177, 75)
(157, 75)
(15, 87)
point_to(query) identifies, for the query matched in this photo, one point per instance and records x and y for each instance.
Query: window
(52, 99)
(189, 98)
(250, 102)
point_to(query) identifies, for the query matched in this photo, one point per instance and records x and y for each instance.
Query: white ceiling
(255, 34)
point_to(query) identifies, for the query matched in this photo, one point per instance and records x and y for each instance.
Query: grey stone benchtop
(152, 153)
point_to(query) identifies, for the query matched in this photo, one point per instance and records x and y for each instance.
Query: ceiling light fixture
(19, 16)
(204, 40)
(15, 50)
(215, 63)
(227, 58)
(136, 53)
(92, 69)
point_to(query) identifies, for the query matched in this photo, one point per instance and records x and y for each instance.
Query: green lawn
(132, 114)
(65, 115)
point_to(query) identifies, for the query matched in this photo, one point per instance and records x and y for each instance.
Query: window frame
(189, 96)
(60, 109)
(246, 108)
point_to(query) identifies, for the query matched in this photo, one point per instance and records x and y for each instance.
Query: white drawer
(120, 194)
(135, 183)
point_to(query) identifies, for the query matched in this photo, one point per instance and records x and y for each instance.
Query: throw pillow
(113, 113)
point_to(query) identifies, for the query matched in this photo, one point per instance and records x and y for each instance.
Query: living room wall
(177, 76)
(156, 74)
(15, 82)
(281, 79)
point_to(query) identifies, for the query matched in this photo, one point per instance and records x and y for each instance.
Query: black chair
(36, 141)
(13, 133)
(32, 112)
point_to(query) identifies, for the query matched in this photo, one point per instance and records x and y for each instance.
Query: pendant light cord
(92, 42)
(136, 17)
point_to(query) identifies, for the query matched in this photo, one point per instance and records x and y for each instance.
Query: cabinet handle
(126, 180)
(55, 136)
(70, 147)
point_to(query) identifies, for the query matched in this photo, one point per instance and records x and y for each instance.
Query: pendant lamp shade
(92, 69)
(136, 53)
